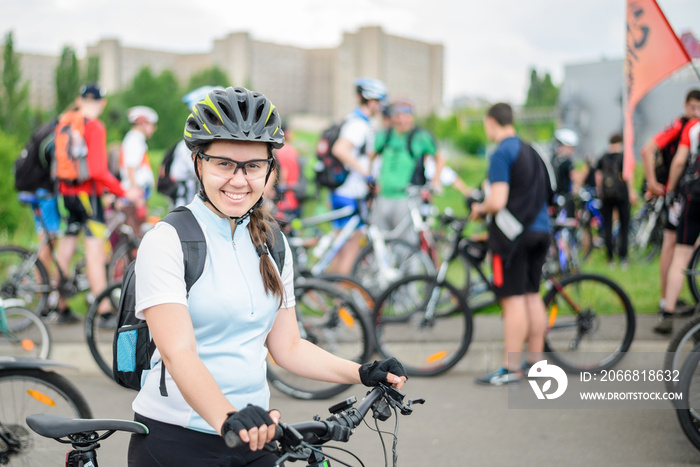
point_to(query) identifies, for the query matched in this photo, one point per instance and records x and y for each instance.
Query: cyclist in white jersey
(214, 341)
(352, 148)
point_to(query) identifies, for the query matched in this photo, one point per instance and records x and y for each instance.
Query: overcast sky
(489, 44)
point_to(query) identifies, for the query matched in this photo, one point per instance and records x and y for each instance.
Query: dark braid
(260, 231)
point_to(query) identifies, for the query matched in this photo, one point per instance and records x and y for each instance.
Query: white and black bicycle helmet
(233, 114)
(371, 88)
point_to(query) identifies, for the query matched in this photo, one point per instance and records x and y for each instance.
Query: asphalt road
(460, 424)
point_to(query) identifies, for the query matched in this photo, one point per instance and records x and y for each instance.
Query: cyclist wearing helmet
(214, 341)
(134, 163)
(565, 143)
(352, 148)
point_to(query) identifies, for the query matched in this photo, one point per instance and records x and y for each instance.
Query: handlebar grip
(234, 441)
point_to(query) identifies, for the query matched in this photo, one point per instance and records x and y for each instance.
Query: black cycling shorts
(85, 213)
(168, 445)
(688, 224)
(523, 272)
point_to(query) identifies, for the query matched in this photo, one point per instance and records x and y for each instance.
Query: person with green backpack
(212, 339)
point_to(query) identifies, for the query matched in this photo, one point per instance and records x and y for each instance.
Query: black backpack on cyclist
(32, 169)
(330, 172)
(165, 184)
(133, 347)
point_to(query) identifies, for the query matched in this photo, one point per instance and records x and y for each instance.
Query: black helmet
(236, 114)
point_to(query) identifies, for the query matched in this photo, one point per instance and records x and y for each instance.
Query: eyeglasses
(226, 168)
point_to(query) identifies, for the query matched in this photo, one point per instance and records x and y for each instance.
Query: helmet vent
(211, 117)
(226, 109)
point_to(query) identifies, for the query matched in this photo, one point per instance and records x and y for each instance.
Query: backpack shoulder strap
(409, 142)
(387, 134)
(276, 247)
(194, 245)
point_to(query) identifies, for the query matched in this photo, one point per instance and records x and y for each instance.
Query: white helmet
(196, 95)
(371, 88)
(141, 113)
(566, 137)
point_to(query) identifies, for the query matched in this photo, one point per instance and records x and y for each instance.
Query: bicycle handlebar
(338, 427)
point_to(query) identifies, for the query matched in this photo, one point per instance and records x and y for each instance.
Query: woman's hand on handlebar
(254, 425)
(389, 371)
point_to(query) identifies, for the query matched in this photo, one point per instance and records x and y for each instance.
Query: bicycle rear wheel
(693, 274)
(688, 409)
(124, 254)
(354, 289)
(26, 391)
(426, 325)
(98, 332)
(23, 334)
(591, 323)
(329, 319)
(23, 276)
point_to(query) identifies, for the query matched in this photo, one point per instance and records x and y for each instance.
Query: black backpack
(32, 168)
(165, 184)
(330, 172)
(133, 347)
(664, 156)
(613, 187)
(418, 177)
(689, 183)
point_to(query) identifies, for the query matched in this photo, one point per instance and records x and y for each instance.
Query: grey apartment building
(298, 80)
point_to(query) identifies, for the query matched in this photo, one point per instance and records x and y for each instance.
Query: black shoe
(66, 317)
(107, 321)
(665, 324)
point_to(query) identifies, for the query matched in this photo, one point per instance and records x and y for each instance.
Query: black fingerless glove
(250, 417)
(371, 374)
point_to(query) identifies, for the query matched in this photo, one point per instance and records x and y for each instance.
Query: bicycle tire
(688, 409)
(26, 391)
(28, 282)
(124, 254)
(26, 335)
(100, 341)
(682, 342)
(425, 346)
(405, 259)
(693, 275)
(328, 318)
(354, 289)
(578, 341)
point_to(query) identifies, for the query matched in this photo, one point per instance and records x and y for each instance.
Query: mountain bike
(22, 333)
(647, 230)
(425, 322)
(30, 386)
(389, 260)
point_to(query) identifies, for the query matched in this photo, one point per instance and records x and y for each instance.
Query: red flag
(653, 52)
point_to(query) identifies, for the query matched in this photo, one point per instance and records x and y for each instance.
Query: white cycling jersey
(358, 130)
(231, 314)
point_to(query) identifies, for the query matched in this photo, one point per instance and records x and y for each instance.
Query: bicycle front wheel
(23, 334)
(27, 391)
(329, 319)
(23, 276)
(688, 409)
(100, 332)
(426, 325)
(591, 323)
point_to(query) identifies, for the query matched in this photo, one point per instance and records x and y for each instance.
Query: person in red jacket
(83, 202)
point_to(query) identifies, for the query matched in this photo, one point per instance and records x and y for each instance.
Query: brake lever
(408, 408)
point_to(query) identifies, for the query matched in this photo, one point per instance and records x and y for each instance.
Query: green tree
(213, 76)
(15, 118)
(12, 214)
(163, 94)
(542, 92)
(67, 79)
(92, 69)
